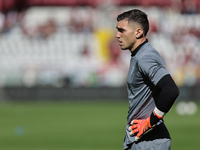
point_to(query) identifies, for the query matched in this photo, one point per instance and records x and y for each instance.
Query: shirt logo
(133, 67)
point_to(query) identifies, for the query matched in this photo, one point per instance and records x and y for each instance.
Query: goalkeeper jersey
(146, 69)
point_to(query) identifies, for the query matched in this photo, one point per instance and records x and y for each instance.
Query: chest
(134, 78)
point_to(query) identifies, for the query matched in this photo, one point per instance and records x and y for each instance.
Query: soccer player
(151, 89)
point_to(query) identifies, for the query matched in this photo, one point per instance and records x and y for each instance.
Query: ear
(139, 33)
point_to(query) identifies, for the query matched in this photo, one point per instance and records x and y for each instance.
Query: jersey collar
(138, 48)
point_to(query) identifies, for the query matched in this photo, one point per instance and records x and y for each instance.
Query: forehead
(124, 24)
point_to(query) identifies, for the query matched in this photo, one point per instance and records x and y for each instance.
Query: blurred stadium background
(65, 50)
(49, 49)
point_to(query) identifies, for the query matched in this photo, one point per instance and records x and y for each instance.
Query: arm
(169, 93)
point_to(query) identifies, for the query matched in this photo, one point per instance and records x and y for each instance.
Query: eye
(120, 30)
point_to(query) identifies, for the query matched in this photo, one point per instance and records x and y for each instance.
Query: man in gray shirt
(151, 89)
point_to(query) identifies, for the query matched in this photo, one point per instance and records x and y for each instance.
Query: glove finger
(134, 131)
(134, 126)
(129, 129)
(132, 134)
(134, 122)
(137, 138)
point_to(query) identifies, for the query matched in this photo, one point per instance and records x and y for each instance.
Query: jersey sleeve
(153, 67)
(169, 93)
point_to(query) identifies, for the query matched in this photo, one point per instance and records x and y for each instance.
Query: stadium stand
(58, 46)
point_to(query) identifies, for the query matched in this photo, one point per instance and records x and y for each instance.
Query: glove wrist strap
(156, 115)
(159, 113)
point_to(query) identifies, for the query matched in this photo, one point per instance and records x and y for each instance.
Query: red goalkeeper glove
(141, 127)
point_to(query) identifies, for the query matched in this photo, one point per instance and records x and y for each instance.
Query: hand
(140, 128)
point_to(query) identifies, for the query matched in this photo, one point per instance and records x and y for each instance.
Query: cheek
(130, 39)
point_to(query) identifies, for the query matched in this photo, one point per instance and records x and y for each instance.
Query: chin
(124, 48)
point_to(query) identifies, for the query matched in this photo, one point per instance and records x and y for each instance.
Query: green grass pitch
(82, 126)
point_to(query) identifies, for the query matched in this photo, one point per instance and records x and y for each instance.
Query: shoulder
(149, 59)
(147, 53)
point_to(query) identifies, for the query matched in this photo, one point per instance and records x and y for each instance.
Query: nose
(117, 35)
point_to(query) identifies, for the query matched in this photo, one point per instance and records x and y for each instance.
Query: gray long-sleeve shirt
(146, 69)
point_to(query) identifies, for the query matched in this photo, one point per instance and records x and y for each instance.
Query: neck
(137, 43)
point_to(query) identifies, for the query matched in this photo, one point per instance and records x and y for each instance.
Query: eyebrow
(120, 29)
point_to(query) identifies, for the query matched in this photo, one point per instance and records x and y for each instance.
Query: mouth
(120, 42)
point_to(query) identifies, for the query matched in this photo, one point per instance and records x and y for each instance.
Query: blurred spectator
(47, 29)
(188, 7)
(115, 52)
(2, 18)
(79, 21)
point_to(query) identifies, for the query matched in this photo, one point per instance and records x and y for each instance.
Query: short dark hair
(136, 15)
